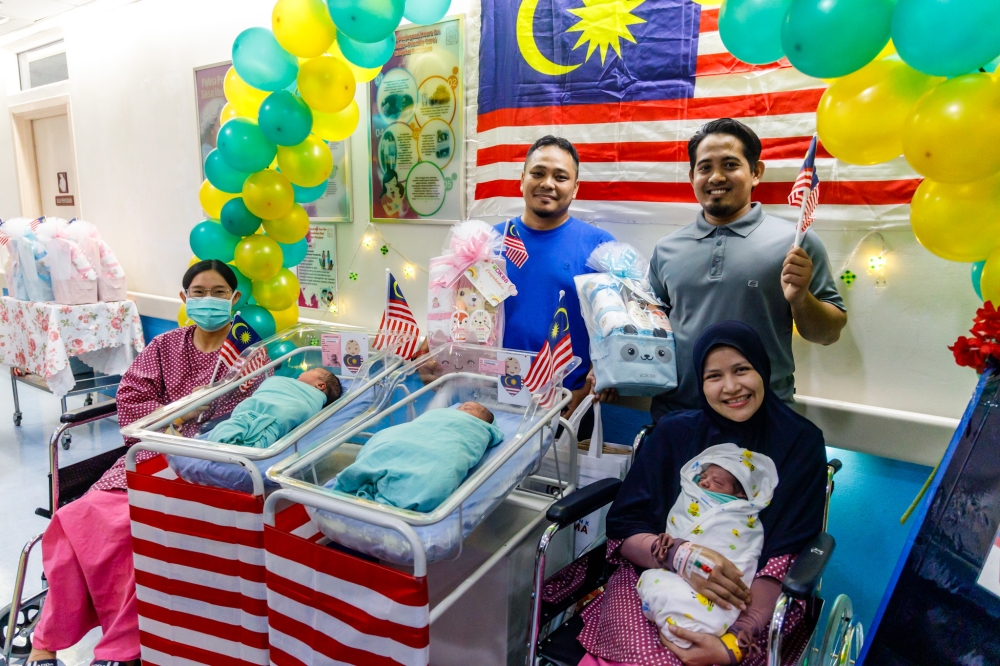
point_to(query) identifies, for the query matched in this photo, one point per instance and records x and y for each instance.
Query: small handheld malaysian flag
(514, 246)
(241, 335)
(553, 358)
(398, 329)
(805, 192)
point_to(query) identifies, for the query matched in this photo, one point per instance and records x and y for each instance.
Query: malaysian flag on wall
(628, 83)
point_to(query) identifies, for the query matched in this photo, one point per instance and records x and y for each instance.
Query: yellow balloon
(336, 126)
(212, 200)
(228, 113)
(958, 222)
(258, 257)
(194, 260)
(280, 292)
(303, 27)
(245, 98)
(268, 194)
(888, 50)
(326, 83)
(285, 318)
(361, 74)
(860, 117)
(952, 133)
(989, 281)
(307, 164)
(291, 228)
(182, 317)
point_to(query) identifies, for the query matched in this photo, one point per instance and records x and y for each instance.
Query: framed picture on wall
(417, 125)
(335, 204)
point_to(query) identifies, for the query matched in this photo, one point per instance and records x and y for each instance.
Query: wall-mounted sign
(63, 181)
(65, 200)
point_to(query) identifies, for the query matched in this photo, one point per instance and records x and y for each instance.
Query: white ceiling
(24, 13)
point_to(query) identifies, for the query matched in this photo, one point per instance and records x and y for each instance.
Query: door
(56, 166)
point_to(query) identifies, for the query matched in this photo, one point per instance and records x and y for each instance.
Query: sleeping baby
(723, 490)
(417, 465)
(279, 405)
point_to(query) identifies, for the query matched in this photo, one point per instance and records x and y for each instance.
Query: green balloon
(222, 176)
(210, 241)
(366, 55)
(261, 61)
(286, 368)
(751, 29)
(285, 119)
(425, 12)
(832, 38)
(244, 147)
(366, 21)
(237, 219)
(946, 37)
(292, 254)
(244, 285)
(259, 319)
(308, 194)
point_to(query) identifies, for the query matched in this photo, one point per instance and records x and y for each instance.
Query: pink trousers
(591, 660)
(87, 556)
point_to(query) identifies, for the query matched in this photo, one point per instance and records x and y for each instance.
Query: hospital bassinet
(338, 579)
(199, 548)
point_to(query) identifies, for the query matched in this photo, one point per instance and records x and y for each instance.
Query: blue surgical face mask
(210, 313)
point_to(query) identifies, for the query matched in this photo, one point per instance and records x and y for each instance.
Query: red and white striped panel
(328, 607)
(199, 571)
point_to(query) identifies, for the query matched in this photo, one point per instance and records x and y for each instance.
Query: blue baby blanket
(277, 406)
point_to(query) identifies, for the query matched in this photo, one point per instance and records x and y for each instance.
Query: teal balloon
(222, 176)
(366, 55)
(831, 38)
(751, 29)
(237, 219)
(946, 37)
(285, 119)
(210, 241)
(366, 21)
(308, 194)
(259, 319)
(425, 12)
(294, 253)
(977, 274)
(244, 285)
(287, 367)
(261, 62)
(992, 65)
(244, 147)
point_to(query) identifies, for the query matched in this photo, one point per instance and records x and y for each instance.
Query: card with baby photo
(354, 347)
(330, 348)
(510, 387)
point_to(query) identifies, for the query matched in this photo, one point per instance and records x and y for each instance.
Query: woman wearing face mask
(87, 548)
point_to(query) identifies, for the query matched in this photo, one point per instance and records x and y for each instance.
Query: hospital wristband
(732, 644)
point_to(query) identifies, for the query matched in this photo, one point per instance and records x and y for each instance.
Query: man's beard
(720, 210)
(545, 213)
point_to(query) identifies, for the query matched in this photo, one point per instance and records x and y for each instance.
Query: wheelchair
(554, 626)
(66, 484)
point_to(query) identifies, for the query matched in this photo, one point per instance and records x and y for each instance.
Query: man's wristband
(733, 646)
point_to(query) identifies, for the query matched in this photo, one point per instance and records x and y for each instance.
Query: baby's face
(315, 378)
(718, 480)
(477, 410)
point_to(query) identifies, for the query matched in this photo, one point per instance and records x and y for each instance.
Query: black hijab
(796, 446)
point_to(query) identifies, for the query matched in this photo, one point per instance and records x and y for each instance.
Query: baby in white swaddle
(722, 492)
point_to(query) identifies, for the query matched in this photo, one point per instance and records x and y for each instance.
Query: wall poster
(318, 271)
(335, 204)
(418, 125)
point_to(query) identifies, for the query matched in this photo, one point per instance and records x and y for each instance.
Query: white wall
(133, 111)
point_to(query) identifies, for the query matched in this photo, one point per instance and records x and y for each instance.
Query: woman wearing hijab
(87, 548)
(736, 407)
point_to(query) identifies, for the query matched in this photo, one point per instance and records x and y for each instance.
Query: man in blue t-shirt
(558, 246)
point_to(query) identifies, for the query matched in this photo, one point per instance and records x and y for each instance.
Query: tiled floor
(24, 471)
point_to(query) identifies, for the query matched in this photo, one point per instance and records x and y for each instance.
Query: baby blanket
(417, 465)
(731, 529)
(277, 406)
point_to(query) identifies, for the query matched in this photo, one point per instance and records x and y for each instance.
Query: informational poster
(318, 271)
(989, 577)
(417, 117)
(335, 204)
(210, 99)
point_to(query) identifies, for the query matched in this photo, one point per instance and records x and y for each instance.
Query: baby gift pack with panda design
(631, 341)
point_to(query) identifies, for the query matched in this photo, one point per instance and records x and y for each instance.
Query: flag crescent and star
(602, 24)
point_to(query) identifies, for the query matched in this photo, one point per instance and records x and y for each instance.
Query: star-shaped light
(604, 23)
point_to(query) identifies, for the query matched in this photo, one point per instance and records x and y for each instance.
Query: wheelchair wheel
(66, 440)
(27, 618)
(838, 627)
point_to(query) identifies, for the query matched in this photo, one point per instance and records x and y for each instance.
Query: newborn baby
(723, 490)
(417, 465)
(279, 405)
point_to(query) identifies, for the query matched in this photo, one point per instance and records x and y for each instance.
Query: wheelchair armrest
(90, 413)
(804, 575)
(576, 505)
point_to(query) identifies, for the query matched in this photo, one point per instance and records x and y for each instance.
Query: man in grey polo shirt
(736, 262)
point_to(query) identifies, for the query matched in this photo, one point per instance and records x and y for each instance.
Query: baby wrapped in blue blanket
(279, 405)
(417, 465)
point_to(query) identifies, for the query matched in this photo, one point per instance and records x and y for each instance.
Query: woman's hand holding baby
(713, 576)
(705, 650)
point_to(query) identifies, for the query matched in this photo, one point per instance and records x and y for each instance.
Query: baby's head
(325, 381)
(718, 480)
(477, 410)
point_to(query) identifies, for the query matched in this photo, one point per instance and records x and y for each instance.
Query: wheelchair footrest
(561, 648)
